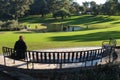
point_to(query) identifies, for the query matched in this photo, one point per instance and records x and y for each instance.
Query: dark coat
(20, 48)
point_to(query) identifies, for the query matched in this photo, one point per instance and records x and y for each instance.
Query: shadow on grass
(116, 22)
(37, 19)
(88, 19)
(88, 37)
(24, 32)
(31, 31)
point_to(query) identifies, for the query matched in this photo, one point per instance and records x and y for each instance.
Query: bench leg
(60, 65)
(32, 65)
(92, 63)
(27, 61)
(101, 59)
(27, 65)
(85, 63)
(4, 61)
(14, 61)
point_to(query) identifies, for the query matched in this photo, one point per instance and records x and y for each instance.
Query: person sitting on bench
(20, 48)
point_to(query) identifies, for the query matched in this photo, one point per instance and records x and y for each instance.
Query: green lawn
(105, 27)
(100, 21)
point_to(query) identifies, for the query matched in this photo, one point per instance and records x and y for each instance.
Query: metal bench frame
(59, 57)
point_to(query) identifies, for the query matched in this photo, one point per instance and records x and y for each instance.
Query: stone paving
(70, 49)
(20, 64)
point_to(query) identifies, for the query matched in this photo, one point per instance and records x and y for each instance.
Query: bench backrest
(60, 57)
(7, 52)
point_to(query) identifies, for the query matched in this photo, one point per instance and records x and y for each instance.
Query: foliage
(61, 13)
(9, 24)
(75, 8)
(39, 7)
(111, 7)
(55, 5)
(14, 8)
(94, 8)
(1, 24)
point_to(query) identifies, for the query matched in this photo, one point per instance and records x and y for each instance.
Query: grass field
(101, 29)
(93, 22)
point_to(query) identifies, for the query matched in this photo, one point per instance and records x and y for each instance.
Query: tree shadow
(88, 37)
(37, 19)
(86, 19)
(89, 20)
(24, 32)
(116, 22)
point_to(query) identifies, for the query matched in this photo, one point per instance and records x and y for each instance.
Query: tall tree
(112, 7)
(75, 8)
(61, 13)
(55, 5)
(39, 7)
(86, 6)
(19, 7)
(15, 8)
(4, 5)
(94, 8)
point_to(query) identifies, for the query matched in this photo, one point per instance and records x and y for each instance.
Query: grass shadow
(24, 32)
(89, 20)
(116, 22)
(88, 37)
(75, 20)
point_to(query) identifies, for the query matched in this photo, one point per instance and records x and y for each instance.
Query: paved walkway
(70, 49)
(21, 64)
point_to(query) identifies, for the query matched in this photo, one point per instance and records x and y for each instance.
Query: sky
(97, 1)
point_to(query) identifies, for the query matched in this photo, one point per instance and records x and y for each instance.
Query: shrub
(9, 25)
(1, 23)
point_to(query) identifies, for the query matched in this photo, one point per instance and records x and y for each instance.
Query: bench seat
(59, 57)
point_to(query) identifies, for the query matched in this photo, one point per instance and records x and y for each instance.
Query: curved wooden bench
(59, 57)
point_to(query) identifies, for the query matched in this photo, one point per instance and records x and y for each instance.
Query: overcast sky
(97, 1)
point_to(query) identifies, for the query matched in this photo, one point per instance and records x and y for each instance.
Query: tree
(61, 13)
(19, 7)
(4, 5)
(111, 7)
(81, 9)
(86, 6)
(94, 8)
(39, 7)
(114, 7)
(55, 5)
(15, 8)
(75, 8)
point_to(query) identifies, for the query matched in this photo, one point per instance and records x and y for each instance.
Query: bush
(1, 24)
(9, 25)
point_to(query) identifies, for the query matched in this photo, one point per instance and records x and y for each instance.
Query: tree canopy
(14, 8)
(17, 8)
(61, 13)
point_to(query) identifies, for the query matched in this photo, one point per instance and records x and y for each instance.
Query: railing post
(60, 65)
(28, 58)
(61, 60)
(4, 61)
